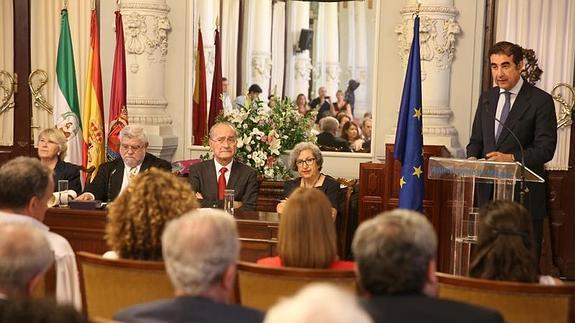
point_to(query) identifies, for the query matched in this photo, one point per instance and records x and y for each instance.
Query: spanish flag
(93, 131)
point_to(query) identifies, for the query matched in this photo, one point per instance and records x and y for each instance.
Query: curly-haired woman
(136, 219)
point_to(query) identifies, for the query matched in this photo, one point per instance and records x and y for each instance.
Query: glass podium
(464, 174)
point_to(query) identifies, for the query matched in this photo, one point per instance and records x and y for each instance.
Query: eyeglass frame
(229, 140)
(308, 161)
(131, 147)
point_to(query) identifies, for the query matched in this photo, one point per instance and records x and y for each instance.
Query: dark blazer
(188, 309)
(419, 308)
(327, 139)
(71, 172)
(330, 188)
(532, 119)
(108, 181)
(243, 180)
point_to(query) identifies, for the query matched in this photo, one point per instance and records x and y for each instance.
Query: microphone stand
(523, 186)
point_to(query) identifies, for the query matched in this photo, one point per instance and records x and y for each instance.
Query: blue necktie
(504, 114)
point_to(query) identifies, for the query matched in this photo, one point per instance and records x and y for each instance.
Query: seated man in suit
(200, 251)
(211, 177)
(26, 186)
(327, 140)
(26, 256)
(395, 255)
(113, 176)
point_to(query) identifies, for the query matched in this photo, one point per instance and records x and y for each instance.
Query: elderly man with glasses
(113, 176)
(211, 178)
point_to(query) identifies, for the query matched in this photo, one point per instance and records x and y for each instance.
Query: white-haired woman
(52, 148)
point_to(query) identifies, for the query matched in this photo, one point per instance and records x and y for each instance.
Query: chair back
(109, 285)
(261, 287)
(47, 286)
(517, 302)
(346, 220)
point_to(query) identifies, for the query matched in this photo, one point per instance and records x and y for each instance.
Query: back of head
(136, 219)
(329, 124)
(318, 303)
(505, 248)
(24, 254)
(39, 311)
(23, 178)
(254, 88)
(393, 252)
(198, 248)
(307, 236)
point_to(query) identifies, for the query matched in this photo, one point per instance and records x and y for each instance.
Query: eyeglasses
(130, 147)
(229, 140)
(309, 162)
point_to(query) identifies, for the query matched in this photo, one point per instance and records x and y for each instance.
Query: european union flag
(409, 138)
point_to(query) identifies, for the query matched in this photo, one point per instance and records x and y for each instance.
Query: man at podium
(512, 114)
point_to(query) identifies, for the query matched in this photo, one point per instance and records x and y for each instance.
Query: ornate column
(257, 52)
(326, 52)
(146, 28)
(359, 71)
(299, 65)
(438, 32)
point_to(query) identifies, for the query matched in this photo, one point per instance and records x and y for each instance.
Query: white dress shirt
(514, 92)
(227, 174)
(67, 282)
(126, 176)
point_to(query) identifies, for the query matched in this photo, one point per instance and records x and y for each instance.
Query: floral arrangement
(264, 134)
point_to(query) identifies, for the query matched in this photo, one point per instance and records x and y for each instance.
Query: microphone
(523, 187)
(109, 198)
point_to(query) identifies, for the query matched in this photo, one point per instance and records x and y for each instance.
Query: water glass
(229, 201)
(63, 190)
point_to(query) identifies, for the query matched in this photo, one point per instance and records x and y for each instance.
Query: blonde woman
(137, 217)
(307, 236)
(52, 148)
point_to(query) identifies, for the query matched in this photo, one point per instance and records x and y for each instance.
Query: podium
(464, 174)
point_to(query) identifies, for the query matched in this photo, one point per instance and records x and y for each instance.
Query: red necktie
(222, 183)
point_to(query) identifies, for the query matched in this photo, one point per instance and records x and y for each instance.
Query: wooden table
(85, 230)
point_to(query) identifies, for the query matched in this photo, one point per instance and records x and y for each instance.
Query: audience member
(27, 186)
(327, 139)
(307, 236)
(505, 248)
(254, 92)
(322, 103)
(136, 219)
(39, 311)
(350, 132)
(342, 118)
(301, 104)
(25, 256)
(318, 303)
(395, 255)
(306, 159)
(340, 105)
(366, 133)
(200, 252)
(52, 148)
(226, 100)
(211, 177)
(114, 176)
(352, 85)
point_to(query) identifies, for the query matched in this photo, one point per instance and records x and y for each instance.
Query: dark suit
(108, 182)
(532, 119)
(70, 172)
(243, 180)
(328, 140)
(419, 308)
(188, 309)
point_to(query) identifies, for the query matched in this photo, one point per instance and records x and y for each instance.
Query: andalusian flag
(66, 106)
(93, 132)
(409, 137)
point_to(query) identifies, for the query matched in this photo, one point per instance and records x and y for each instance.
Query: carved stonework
(437, 31)
(261, 65)
(146, 33)
(210, 55)
(332, 71)
(303, 68)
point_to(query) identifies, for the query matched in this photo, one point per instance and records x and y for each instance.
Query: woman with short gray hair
(52, 148)
(307, 160)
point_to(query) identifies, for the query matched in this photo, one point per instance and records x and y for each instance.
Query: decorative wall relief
(261, 66)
